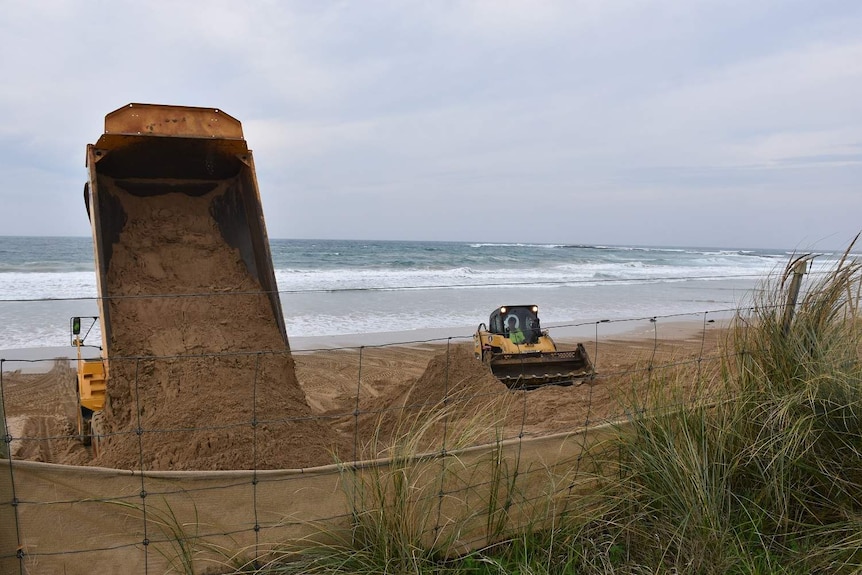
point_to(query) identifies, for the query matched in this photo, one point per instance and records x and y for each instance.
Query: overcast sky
(677, 122)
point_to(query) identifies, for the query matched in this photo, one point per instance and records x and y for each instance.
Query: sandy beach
(367, 393)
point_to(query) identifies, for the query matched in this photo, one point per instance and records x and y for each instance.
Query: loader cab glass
(523, 317)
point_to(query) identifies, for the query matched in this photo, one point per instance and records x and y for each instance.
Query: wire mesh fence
(226, 457)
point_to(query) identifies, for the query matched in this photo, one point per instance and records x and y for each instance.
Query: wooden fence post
(799, 269)
(4, 446)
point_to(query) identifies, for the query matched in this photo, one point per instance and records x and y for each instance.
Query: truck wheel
(97, 432)
(83, 425)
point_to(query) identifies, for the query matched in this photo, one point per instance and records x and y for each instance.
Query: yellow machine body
(92, 377)
(522, 355)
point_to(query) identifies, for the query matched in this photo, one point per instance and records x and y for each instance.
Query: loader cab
(524, 317)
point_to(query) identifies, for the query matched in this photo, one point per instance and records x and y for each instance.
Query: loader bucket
(527, 371)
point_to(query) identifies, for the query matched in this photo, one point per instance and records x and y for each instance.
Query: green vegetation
(763, 475)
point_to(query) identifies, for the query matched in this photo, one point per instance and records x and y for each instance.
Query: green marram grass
(761, 475)
(765, 477)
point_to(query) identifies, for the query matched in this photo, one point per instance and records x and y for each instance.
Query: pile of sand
(203, 398)
(196, 411)
(456, 399)
(456, 375)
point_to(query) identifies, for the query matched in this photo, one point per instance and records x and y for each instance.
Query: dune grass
(764, 476)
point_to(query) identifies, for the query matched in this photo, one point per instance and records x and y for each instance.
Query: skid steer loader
(522, 355)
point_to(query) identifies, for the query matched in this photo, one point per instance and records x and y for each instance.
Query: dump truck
(172, 198)
(523, 355)
(90, 381)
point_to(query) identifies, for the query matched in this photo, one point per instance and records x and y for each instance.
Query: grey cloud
(660, 122)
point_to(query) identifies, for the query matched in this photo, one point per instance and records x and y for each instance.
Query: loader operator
(516, 336)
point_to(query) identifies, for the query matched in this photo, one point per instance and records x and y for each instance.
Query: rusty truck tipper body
(150, 151)
(187, 290)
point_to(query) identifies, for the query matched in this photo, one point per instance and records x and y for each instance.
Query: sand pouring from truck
(185, 176)
(522, 355)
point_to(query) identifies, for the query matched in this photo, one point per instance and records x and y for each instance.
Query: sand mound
(399, 388)
(454, 397)
(203, 397)
(456, 374)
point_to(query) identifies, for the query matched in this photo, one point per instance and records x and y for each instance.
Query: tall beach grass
(761, 473)
(765, 476)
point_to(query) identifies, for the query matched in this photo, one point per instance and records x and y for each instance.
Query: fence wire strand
(606, 367)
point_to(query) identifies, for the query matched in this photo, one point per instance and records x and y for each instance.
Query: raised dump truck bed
(165, 154)
(194, 341)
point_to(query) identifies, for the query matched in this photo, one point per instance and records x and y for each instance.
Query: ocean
(340, 287)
